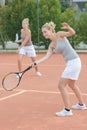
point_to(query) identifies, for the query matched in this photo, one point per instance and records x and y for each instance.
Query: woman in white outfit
(26, 47)
(60, 44)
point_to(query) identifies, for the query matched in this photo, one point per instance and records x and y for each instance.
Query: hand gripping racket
(12, 79)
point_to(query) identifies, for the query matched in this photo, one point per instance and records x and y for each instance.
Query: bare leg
(65, 96)
(33, 60)
(20, 56)
(76, 90)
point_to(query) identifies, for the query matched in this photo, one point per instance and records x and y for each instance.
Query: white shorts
(28, 50)
(72, 70)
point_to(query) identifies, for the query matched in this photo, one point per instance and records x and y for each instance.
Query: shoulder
(21, 30)
(27, 31)
(50, 50)
(51, 47)
(60, 34)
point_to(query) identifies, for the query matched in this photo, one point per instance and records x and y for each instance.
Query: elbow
(73, 33)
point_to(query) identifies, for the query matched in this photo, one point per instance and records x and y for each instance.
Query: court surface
(33, 104)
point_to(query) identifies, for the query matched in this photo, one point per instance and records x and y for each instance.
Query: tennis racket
(12, 79)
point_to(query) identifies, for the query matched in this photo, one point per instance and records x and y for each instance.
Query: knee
(72, 85)
(60, 86)
(19, 60)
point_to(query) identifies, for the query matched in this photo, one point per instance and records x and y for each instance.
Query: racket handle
(33, 64)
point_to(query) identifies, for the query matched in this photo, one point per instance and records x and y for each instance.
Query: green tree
(49, 11)
(64, 5)
(39, 12)
(82, 27)
(13, 15)
(70, 16)
(17, 10)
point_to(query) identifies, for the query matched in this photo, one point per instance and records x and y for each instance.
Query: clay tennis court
(33, 104)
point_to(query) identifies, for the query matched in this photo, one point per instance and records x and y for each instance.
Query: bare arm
(48, 55)
(19, 41)
(70, 31)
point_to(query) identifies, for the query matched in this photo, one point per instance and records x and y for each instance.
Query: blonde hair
(50, 26)
(26, 20)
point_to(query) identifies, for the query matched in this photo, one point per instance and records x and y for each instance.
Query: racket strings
(11, 81)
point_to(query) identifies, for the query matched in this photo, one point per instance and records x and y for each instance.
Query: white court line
(51, 65)
(48, 92)
(12, 95)
(21, 91)
(1, 64)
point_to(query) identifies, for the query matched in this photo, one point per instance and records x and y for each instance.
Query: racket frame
(19, 74)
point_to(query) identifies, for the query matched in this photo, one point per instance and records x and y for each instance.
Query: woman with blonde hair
(60, 44)
(26, 47)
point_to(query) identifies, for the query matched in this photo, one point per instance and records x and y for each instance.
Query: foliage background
(40, 12)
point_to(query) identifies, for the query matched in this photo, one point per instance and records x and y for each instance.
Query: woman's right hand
(65, 25)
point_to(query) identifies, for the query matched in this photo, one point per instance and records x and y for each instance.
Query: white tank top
(29, 42)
